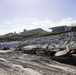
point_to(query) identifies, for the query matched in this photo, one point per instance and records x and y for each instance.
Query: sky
(16, 15)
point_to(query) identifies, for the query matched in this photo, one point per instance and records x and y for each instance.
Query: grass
(47, 34)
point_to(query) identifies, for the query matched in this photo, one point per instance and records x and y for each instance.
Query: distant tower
(24, 30)
(14, 32)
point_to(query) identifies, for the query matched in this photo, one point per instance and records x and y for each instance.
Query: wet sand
(18, 63)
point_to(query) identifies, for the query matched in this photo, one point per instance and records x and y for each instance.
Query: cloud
(31, 23)
(67, 21)
(7, 22)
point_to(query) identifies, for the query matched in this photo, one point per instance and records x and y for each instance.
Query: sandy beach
(16, 63)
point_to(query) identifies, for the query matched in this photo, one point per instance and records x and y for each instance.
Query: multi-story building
(60, 28)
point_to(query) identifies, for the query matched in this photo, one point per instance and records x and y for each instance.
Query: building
(60, 28)
(11, 34)
(33, 31)
(73, 28)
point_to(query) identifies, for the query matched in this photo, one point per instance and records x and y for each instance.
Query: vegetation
(46, 34)
(18, 37)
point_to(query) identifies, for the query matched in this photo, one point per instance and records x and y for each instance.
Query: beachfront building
(73, 28)
(60, 28)
(33, 31)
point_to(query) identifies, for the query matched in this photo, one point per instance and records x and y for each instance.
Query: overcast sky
(16, 15)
